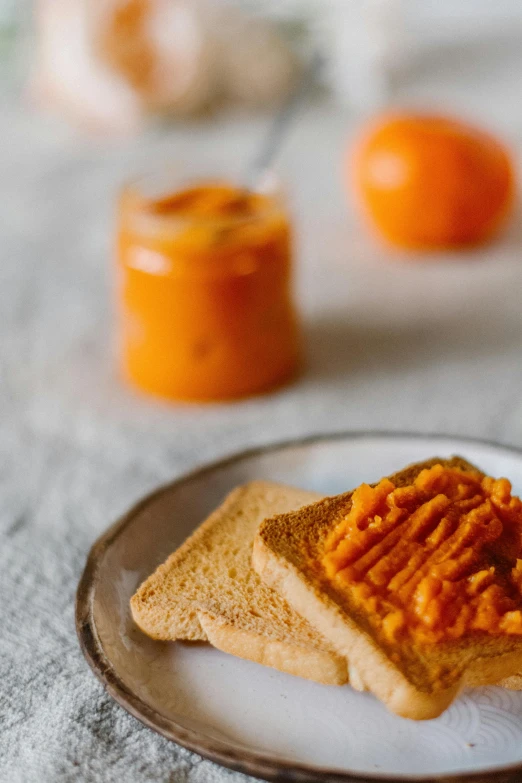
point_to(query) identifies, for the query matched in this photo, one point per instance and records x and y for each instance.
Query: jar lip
(150, 186)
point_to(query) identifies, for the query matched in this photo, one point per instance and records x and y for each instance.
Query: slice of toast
(208, 590)
(402, 676)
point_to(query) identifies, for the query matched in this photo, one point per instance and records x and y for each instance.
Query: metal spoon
(282, 120)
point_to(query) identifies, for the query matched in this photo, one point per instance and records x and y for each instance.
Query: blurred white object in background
(366, 41)
(68, 75)
(107, 63)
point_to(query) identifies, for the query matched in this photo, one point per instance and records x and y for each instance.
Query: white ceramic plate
(253, 718)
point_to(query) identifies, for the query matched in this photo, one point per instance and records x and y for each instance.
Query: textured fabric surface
(391, 346)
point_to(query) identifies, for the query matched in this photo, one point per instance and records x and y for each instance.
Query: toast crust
(308, 662)
(284, 549)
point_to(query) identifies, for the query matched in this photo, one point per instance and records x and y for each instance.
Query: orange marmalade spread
(212, 200)
(433, 560)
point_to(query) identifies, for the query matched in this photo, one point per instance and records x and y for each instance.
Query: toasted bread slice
(402, 676)
(208, 590)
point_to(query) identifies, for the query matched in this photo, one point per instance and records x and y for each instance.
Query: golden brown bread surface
(414, 681)
(208, 590)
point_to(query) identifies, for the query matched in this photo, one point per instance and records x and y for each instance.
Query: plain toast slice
(285, 549)
(208, 590)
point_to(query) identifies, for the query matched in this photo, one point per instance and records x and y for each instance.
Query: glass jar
(205, 305)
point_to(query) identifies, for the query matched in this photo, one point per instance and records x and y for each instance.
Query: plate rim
(243, 760)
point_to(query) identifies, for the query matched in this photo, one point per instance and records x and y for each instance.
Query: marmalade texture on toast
(434, 560)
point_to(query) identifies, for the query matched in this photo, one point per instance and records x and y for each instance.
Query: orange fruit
(431, 182)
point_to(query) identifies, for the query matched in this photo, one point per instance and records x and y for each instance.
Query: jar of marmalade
(205, 307)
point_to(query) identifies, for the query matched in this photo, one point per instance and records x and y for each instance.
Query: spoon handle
(282, 120)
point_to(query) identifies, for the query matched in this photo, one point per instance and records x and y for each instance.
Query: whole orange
(431, 182)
